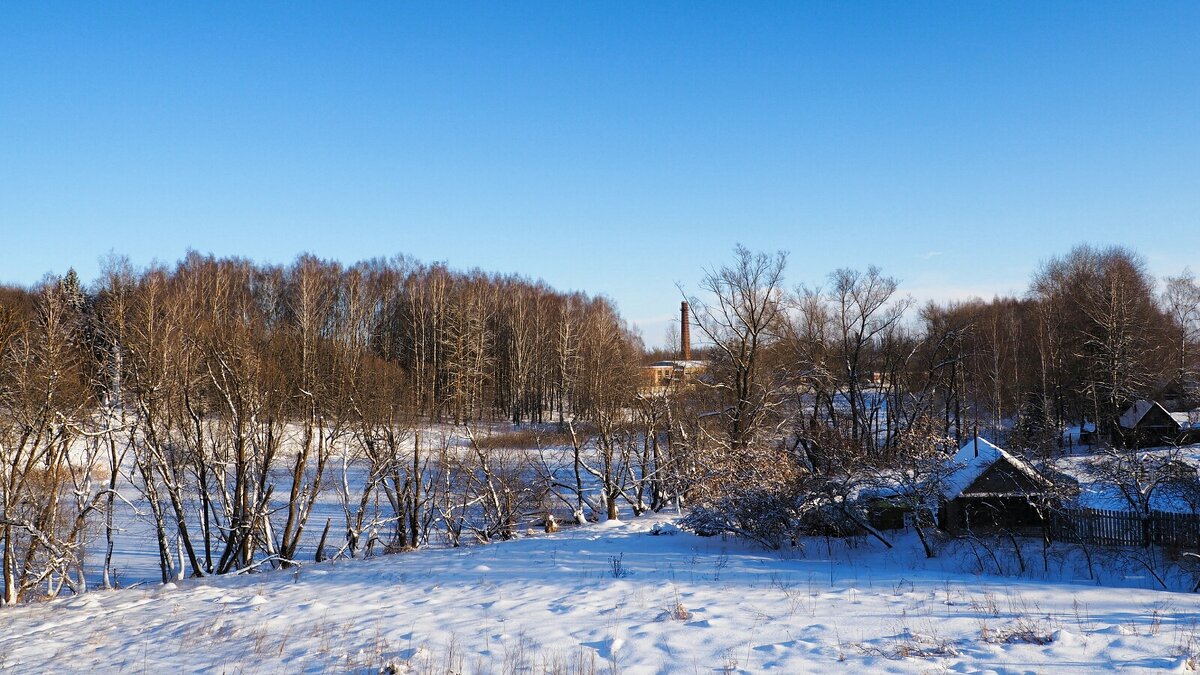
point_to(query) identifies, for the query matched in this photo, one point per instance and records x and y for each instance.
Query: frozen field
(613, 598)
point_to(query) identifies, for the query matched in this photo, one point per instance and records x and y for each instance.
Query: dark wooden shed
(993, 489)
(1148, 423)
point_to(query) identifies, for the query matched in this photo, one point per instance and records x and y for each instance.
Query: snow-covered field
(612, 598)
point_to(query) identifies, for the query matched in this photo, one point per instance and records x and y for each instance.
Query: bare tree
(919, 474)
(863, 312)
(741, 315)
(1139, 478)
(43, 395)
(1181, 301)
(1107, 330)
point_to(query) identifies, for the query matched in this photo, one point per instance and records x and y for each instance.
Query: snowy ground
(1097, 495)
(612, 598)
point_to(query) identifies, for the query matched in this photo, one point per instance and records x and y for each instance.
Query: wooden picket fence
(1123, 528)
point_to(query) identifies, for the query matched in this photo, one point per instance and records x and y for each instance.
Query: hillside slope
(610, 598)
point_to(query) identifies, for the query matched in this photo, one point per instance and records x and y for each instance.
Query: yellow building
(668, 373)
(677, 373)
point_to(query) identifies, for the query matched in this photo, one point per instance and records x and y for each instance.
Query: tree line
(818, 393)
(222, 400)
(231, 396)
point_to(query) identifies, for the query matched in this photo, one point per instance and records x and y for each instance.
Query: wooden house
(992, 488)
(1147, 423)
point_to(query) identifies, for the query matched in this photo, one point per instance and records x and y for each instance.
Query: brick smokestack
(685, 341)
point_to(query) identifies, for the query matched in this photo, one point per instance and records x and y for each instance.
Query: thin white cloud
(956, 292)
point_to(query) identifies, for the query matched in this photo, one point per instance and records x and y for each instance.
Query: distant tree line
(231, 395)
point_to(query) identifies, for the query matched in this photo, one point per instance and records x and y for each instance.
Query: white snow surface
(1098, 495)
(617, 596)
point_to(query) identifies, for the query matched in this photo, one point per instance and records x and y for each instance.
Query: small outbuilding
(1148, 423)
(992, 488)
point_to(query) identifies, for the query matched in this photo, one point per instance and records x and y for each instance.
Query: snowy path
(546, 603)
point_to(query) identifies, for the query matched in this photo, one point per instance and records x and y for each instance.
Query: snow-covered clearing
(612, 598)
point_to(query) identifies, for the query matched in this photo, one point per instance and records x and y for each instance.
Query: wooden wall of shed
(1003, 477)
(982, 514)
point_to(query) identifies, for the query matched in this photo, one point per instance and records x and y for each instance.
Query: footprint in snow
(86, 602)
(411, 653)
(254, 602)
(606, 648)
(776, 648)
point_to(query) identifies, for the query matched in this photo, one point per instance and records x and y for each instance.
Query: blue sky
(616, 148)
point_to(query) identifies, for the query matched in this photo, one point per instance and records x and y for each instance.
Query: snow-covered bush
(661, 529)
(760, 515)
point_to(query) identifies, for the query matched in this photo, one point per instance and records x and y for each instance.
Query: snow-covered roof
(679, 364)
(1133, 416)
(1135, 413)
(977, 456)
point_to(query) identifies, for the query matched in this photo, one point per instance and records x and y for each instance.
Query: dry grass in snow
(611, 598)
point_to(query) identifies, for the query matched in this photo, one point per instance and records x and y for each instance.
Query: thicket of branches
(222, 399)
(231, 395)
(818, 395)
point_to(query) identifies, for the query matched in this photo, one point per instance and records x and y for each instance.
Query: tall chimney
(685, 342)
